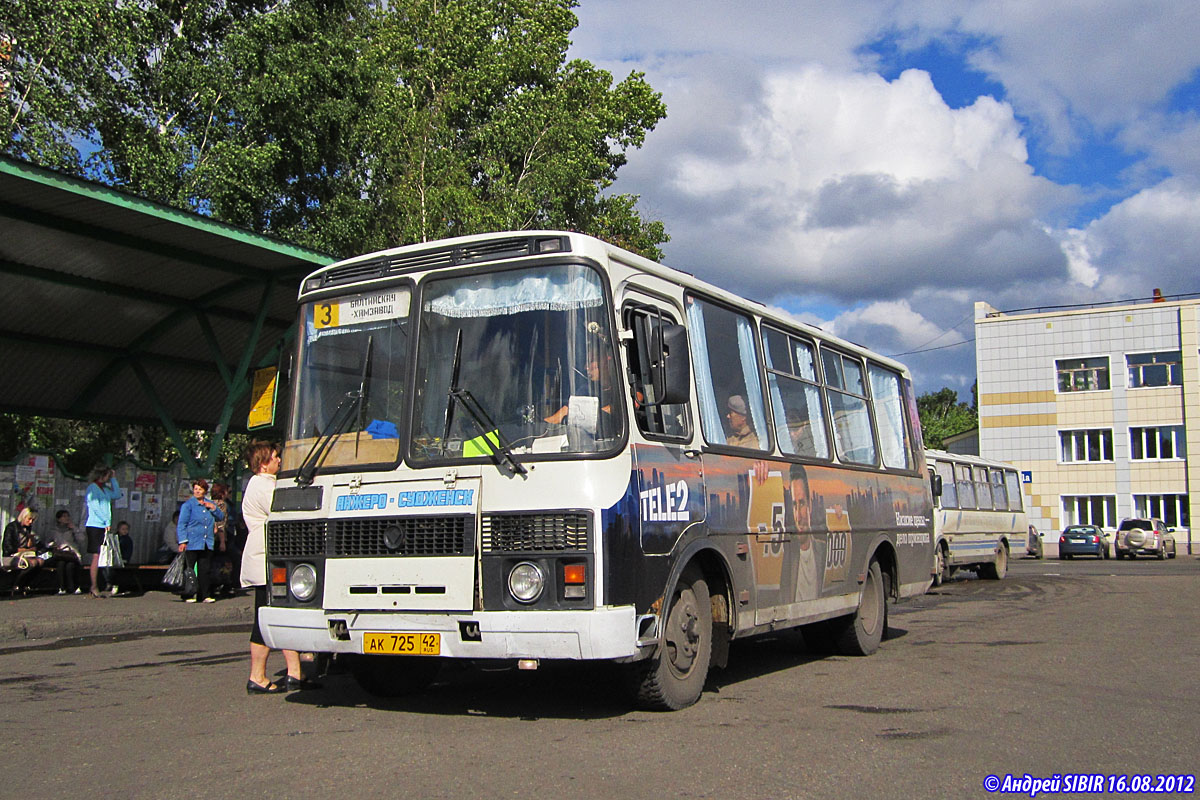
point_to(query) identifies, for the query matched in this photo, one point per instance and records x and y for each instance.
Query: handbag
(27, 559)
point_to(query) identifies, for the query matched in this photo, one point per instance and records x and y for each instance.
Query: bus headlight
(303, 582)
(526, 581)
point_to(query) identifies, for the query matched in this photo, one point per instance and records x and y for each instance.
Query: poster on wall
(153, 508)
(135, 501)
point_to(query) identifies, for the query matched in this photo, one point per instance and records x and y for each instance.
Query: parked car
(1083, 540)
(1033, 543)
(1144, 536)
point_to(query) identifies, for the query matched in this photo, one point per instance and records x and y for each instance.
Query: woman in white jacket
(256, 506)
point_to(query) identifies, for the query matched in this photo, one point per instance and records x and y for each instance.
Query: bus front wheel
(394, 676)
(860, 633)
(674, 676)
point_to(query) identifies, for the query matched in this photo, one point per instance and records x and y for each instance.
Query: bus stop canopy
(116, 308)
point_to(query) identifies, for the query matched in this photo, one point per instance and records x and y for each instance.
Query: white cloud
(1071, 64)
(1145, 242)
(849, 185)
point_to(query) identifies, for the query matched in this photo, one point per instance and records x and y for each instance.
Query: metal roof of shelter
(118, 308)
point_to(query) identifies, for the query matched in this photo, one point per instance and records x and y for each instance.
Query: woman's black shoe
(270, 688)
(299, 684)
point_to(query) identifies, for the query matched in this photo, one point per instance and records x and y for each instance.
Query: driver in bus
(599, 373)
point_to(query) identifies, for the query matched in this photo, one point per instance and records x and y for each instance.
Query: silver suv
(1145, 536)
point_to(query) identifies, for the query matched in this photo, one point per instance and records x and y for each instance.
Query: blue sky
(879, 168)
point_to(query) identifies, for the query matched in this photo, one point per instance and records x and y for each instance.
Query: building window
(1154, 369)
(1086, 445)
(1164, 442)
(1082, 374)
(1097, 509)
(1170, 508)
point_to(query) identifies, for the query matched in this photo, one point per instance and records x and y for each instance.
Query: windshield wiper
(341, 418)
(499, 450)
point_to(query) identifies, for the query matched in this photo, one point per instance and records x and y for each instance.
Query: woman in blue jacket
(196, 538)
(101, 491)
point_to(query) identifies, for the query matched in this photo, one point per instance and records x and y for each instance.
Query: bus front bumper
(605, 633)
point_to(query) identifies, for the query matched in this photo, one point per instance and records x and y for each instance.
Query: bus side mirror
(935, 483)
(671, 369)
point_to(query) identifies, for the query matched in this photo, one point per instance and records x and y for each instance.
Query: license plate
(402, 644)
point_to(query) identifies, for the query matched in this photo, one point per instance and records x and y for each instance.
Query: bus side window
(949, 490)
(728, 378)
(983, 490)
(795, 395)
(666, 421)
(999, 495)
(1013, 485)
(847, 395)
(966, 488)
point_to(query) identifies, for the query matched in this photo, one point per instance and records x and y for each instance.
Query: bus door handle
(692, 454)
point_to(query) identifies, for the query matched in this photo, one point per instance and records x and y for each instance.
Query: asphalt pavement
(40, 617)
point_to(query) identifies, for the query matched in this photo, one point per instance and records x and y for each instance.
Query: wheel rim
(682, 636)
(939, 565)
(870, 613)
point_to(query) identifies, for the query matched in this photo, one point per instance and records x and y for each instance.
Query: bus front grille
(296, 539)
(403, 536)
(518, 533)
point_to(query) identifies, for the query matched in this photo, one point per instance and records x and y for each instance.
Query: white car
(1144, 536)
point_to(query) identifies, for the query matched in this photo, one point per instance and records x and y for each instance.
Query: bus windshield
(533, 348)
(351, 377)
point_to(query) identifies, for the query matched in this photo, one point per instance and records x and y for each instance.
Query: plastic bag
(174, 573)
(110, 552)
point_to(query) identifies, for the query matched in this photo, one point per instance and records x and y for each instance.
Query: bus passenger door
(668, 475)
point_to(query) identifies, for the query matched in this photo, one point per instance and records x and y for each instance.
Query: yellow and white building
(1099, 408)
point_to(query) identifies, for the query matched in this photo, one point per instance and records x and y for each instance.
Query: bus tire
(674, 676)
(393, 676)
(997, 569)
(941, 566)
(860, 633)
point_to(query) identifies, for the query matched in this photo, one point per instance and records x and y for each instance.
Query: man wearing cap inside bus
(740, 433)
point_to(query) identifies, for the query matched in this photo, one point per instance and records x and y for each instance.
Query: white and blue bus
(536, 445)
(979, 515)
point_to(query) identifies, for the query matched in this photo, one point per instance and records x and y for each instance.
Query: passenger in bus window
(807, 580)
(740, 433)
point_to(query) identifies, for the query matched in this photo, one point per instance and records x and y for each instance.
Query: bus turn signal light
(278, 574)
(574, 573)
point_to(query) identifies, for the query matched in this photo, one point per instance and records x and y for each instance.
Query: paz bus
(979, 515)
(536, 445)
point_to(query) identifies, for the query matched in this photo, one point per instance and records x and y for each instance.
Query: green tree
(345, 125)
(942, 416)
(79, 445)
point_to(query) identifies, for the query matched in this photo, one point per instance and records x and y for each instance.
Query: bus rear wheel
(998, 568)
(860, 633)
(674, 676)
(394, 676)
